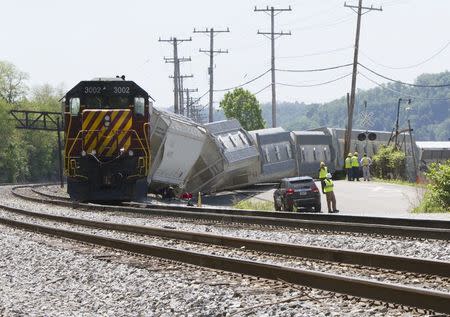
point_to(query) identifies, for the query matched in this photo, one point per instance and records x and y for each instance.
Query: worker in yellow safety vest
(348, 167)
(355, 166)
(365, 163)
(329, 192)
(323, 171)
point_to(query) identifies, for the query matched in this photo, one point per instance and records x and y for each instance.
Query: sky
(61, 42)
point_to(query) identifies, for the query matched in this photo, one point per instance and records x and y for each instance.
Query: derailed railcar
(311, 148)
(276, 152)
(177, 142)
(107, 146)
(432, 152)
(228, 160)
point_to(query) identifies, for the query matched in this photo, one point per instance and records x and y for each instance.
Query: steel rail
(390, 262)
(402, 231)
(403, 295)
(405, 222)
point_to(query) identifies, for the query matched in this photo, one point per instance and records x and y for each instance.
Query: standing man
(355, 166)
(329, 192)
(323, 171)
(348, 167)
(365, 163)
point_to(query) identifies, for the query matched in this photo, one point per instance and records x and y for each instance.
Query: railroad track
(398, 294)
(411, 228)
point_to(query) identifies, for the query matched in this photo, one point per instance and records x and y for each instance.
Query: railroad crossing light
(361, 136)
(372, 136)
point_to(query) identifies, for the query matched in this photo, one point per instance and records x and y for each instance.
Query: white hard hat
(328, 175)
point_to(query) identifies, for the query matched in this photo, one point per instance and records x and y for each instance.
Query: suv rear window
(300, 183)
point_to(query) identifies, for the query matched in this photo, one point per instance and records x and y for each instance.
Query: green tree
(12, 82)
(243, 106)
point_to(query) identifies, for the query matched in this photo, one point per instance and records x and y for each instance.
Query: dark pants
(349, 174)
(331, 201)
(322, 183)
(355, 173)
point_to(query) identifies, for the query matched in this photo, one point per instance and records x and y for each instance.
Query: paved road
(372, 199)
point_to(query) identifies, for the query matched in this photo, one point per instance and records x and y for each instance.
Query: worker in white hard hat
(329, 192)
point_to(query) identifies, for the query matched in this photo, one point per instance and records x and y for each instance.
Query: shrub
(437, 197)
(389, 163)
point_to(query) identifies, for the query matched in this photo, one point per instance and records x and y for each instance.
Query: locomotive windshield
(107, 102)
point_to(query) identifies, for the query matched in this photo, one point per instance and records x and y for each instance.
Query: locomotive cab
(107, 146)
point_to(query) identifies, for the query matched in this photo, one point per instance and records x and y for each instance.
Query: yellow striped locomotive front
(105, 132)
(107, 150)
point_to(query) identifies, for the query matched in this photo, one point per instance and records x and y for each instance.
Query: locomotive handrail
(147, 141)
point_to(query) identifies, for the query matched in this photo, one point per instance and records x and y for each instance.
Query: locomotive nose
(105, 132)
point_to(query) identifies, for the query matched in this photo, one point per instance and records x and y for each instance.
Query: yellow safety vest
(355, 162)
(365, 161)
(348, 162)
(328, 186)
(323, 172)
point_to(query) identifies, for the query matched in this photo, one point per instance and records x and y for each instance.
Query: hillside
(429, 110)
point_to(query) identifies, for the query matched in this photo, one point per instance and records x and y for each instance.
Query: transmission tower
(211, 52)
(358, 10)
(176, 68)
(273, 12)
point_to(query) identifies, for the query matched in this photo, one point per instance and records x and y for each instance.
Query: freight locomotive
(107, 145)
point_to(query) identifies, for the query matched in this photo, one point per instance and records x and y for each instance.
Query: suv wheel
(288, 208)
(318, 208)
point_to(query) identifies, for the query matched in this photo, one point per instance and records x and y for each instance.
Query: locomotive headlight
(94, 152)
(83, 153)
(106, 123)
(130, 153)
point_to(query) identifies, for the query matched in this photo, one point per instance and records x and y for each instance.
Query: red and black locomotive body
(107, 145)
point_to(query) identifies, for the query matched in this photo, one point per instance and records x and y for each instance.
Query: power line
(411, 66)
(273, 11)
(211, 53)
(399, 92)
(312, 70)
(317, 53)
(246, 83)
(261, 90)
(318, 84)
(401, 82)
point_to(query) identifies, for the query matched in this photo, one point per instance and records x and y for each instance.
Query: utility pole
(211, 53)
(188, 99)
(351, 104)
(181, 90)
(176, 68)
(273, 11)
(397, 119)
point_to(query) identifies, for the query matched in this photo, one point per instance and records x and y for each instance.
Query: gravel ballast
(45, 276)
